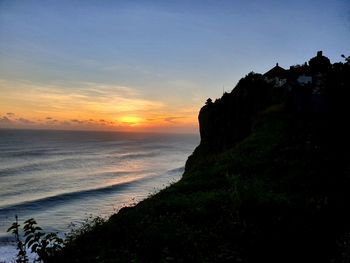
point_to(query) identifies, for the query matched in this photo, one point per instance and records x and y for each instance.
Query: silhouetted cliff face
(230, 118)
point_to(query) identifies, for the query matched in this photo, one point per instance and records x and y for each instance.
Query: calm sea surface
(63, 177)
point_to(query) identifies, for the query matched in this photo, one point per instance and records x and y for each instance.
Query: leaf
(30, 243)
(34, 247)
(26, 227)
(15, 225)
(28, 238)
(11, 228)
(30, 220)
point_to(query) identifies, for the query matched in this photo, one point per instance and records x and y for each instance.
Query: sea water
(61, 178)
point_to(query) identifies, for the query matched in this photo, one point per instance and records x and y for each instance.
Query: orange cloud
(87, 106)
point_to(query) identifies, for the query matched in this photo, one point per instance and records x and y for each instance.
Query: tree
(209, 102)
(347, 59)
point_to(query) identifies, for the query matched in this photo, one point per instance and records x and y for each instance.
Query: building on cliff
(304, 80)
(319, 64)
(309, 84)
(277, 76)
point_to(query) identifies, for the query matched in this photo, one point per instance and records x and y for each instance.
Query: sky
(149, 65)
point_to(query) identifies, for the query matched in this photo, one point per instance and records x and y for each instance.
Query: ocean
(61, 178)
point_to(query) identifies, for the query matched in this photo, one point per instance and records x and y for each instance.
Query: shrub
(42, 245)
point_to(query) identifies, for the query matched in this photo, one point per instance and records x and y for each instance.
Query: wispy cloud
(25, 121)
(172, 119)
(85, 105)
(5, 120)
(79, 96)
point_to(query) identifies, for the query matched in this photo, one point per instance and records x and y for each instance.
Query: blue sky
(174, 53)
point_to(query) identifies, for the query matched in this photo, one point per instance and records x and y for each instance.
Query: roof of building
(276, 71)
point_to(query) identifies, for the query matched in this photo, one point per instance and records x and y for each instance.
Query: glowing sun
(130, 120)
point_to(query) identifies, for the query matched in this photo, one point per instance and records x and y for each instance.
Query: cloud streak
(84, 105)
(81, 96)
(5, 121)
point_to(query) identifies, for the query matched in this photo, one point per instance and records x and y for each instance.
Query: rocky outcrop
(230, 118)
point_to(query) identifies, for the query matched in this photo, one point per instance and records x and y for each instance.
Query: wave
(71, 163)
(136, 155)
(114, 174)
(36, 165)
(179, 170)
(96, 175)
(62, 199)
(28, 153)
(7, 239)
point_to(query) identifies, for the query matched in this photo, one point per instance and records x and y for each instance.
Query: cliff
(231, 118)
(268, 182)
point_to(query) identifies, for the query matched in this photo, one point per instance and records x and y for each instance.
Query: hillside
(268, 182)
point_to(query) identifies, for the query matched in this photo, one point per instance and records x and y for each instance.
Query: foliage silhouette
(41, 244)
(21, 255)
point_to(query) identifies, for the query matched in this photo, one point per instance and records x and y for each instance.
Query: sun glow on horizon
(130, 120)
(88, 106)
(147, 65)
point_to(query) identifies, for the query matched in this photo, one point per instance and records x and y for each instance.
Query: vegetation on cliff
(269, 182)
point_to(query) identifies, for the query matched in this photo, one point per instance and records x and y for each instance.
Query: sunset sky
(148, 65)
